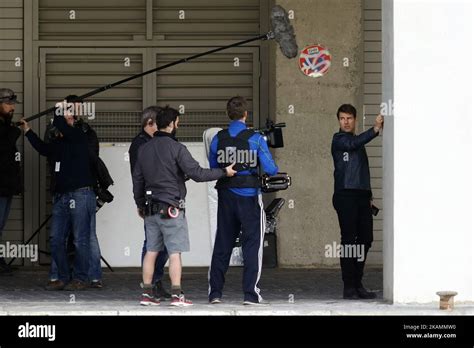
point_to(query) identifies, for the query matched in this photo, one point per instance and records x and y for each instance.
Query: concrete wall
(432, 154)
(388, 138)
(312, 223)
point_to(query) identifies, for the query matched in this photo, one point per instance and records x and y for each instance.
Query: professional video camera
(273, 133)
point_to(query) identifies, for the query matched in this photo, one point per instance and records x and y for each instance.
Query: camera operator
(240, 205)
(74, 200)
(10, 173)
(159, 190)
(352, 197)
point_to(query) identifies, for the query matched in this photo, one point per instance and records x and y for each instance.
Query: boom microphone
(283, 32)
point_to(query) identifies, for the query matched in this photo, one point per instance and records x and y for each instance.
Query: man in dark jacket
(10, 176)
(159, 190)
(352, 198)
(74, 200)
(149, 128)
(51, 135)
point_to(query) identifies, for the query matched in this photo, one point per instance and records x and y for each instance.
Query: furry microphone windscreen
(283, 32)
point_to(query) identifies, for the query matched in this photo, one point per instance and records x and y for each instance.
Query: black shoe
(364, 294)
(350, 294)
(160, 291)
(4, 268)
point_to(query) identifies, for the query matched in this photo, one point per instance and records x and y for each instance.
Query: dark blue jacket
(351, 165)
(70, 155)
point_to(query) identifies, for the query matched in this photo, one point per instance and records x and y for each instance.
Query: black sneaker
(350, 294)
(5, 270)
(160, 291)
(76, 285)
(54, 285)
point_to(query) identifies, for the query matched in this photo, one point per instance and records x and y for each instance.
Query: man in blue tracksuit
(240, 206)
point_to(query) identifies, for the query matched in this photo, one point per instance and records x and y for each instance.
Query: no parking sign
(315, 61)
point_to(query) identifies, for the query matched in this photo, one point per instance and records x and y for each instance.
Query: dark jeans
(95, 268)
(159, 263)
(72, 211)
(5, 205)
(355, 220)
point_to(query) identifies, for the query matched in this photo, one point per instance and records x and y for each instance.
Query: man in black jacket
(159, 190)
(352, 198)
(74, 200)
(149, 128)
(10, 176)
(51, 135)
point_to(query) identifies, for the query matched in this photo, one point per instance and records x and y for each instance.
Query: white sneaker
(216, 300)
(261, 303)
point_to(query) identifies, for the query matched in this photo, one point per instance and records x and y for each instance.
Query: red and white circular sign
(315, 61)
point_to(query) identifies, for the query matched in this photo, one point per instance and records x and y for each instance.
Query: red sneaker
(180, 301)
(149, 300)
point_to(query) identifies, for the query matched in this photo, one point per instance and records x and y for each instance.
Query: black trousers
(354, 212)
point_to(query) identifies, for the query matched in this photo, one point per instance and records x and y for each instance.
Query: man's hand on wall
(378, 123)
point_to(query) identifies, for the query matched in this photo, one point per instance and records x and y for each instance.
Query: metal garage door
(75, 71)
(206, 19)
(203, 86)
(149, 33)
(147, 19)
(91, 19)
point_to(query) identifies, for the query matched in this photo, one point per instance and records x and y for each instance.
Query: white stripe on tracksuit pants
(236, 213)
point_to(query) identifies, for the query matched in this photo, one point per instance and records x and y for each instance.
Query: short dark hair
(236, 108)
(348, 109)
(165, 116)
(72, 98)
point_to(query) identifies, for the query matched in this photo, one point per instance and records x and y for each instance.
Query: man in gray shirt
(159, 190)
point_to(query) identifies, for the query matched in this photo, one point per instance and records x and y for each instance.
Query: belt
(165, 210)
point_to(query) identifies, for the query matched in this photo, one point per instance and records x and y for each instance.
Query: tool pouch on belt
(166, 211)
